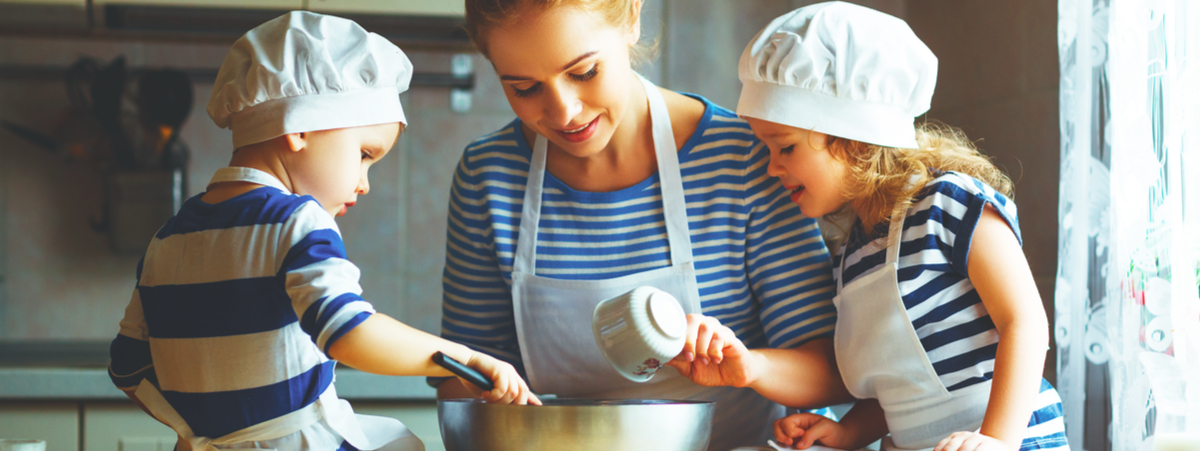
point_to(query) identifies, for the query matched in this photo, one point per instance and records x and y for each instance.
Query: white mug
(640, 331)
(22, 445)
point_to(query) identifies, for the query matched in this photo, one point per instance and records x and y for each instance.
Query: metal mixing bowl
(576, 424)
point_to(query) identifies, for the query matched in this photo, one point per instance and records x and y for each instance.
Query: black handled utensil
(463, 371)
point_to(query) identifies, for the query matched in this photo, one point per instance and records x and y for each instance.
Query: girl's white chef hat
(839, 69)
(304, 71)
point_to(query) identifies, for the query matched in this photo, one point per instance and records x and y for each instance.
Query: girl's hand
(803, 430)
(509, 387)
(713, 356)
(971, 441)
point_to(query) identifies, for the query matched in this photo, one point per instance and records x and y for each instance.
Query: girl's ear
(296, 141)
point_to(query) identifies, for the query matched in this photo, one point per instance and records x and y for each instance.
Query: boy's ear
(296, 141)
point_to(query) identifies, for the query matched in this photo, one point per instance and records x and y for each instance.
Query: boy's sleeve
(477, 308)
(130, 351)
(321, 283)
(786, 261)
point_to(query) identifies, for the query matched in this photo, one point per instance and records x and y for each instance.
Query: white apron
(364, 432)
(553, 316)
(880, 356)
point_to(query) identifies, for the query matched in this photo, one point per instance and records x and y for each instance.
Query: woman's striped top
(762, 267)
(945, 310)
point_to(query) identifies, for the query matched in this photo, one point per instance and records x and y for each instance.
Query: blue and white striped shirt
(761, 266)
(236, 306)
(943, 306)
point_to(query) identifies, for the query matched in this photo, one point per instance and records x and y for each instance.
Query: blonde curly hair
(483, 15)
(878, 176)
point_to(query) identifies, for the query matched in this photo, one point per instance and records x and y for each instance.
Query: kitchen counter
(77, 370)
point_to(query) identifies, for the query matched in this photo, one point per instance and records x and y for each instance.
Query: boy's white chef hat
(305, 71)
(839, 69)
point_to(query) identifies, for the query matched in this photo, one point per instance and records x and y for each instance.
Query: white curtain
(1127, 297)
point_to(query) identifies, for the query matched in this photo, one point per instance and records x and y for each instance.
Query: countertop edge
(29, 384)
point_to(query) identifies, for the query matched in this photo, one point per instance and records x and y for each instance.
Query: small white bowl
(640, 331)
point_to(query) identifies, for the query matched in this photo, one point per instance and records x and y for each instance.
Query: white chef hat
(305, 71)
(839, 69)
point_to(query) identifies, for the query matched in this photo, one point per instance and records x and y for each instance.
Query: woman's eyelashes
(366, 155)
(590, 74)
(787, 150)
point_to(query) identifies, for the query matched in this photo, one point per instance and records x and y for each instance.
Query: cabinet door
(56, 423)
(408, 7)
(122, 426)
(420, 418)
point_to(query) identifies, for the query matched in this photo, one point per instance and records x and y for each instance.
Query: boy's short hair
(304, 71)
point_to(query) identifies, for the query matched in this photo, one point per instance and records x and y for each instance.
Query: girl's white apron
(880, 356)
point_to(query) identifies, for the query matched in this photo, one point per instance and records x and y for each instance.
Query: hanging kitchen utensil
(463, 371)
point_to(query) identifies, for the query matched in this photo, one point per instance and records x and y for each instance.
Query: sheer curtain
(1127, 297)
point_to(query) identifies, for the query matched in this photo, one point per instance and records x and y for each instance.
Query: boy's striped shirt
(236, 306)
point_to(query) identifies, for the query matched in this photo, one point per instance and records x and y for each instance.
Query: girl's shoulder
(961, 198)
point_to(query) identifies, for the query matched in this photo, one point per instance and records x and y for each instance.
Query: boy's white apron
(364, 432)
(880, 356)
(554, 316)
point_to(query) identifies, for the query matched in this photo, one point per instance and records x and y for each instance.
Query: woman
(605, 183)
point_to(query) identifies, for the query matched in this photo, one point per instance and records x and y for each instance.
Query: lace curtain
(1127, 314)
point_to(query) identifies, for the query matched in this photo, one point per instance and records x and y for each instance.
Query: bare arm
(812, 380)
(805, 377)
(373, 347)
(998, 270)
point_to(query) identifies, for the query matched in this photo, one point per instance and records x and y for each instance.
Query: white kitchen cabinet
(407, 7)
(248, 4)
(421, 419)
(56, 423)
(122, 426)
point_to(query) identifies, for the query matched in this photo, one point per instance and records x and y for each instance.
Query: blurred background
(73, 223)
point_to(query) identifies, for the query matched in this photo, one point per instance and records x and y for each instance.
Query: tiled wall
(997, 79)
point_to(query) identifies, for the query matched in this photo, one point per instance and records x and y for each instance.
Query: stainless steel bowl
(576, 424)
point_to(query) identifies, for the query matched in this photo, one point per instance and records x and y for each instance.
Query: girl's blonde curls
(879, 176)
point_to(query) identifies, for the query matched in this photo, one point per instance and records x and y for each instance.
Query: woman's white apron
(553, 316)
(364, 432)
(880, 356)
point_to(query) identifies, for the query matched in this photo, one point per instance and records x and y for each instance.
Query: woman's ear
(635, 31)
(296, 141)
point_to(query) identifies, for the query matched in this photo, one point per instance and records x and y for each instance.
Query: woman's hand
(714, 356)
(803, 430)
(971, 441)
(509, 387)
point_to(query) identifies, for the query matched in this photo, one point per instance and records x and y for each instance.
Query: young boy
(246, 294)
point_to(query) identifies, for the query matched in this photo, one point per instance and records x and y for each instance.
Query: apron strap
(241, 174)
(336, 412)
(895, 232)
(670, 183)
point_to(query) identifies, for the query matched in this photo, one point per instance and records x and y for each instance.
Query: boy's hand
(509, 387)
(971, 441)
(802, 430)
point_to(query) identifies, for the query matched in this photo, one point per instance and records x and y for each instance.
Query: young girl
(940, 330)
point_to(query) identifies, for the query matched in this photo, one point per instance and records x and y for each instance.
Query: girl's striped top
(945, 310)
(762, 267)
(236, 305)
